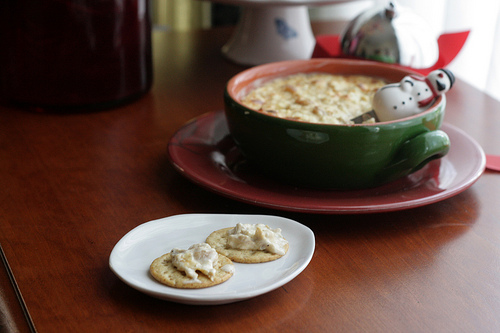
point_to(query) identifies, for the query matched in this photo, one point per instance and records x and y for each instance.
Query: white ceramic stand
(270, 33)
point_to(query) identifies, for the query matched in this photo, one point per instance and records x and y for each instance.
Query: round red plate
(203, 151)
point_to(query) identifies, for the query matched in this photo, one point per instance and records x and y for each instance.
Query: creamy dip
(228, 268)
(256, 237)
(316, 97)
(199, 257)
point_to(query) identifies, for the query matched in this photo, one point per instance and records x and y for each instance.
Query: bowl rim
(280, 66)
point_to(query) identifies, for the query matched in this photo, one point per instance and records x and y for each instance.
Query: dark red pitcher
(73, 54)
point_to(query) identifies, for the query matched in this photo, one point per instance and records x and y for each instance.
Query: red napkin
(328, 46)
(493, 162)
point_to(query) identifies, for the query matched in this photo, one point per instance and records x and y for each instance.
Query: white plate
(132, 255)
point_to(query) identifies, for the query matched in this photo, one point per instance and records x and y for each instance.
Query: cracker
(165, 272)
(218, 240)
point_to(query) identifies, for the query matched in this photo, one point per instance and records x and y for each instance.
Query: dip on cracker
(198, 267)
(249, 243)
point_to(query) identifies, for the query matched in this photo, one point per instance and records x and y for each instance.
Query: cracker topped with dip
(249, 243)
(198, 267)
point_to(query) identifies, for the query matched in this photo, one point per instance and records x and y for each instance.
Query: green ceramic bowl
(332, 156)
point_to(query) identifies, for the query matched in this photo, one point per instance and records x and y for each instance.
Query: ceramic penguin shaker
(412, 95)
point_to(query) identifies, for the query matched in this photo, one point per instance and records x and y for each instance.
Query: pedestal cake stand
(274, 30)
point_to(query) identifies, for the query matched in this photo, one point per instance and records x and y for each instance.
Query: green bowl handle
(416, 153)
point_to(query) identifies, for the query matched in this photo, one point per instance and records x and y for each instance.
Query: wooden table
(72, 185)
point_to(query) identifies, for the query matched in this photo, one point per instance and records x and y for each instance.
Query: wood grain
(72, 185)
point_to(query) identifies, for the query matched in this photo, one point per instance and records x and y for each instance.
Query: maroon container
(67, 54)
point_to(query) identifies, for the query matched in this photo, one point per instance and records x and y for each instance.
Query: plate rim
(189, 296)
(473, 174)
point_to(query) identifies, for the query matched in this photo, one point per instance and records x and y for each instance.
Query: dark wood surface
(72, 185)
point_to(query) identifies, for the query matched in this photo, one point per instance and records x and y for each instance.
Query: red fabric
(450, 44)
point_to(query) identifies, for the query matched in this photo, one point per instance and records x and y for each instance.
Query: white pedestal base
(271, 33)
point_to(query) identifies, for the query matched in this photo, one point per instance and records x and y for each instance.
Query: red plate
(203, 151)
